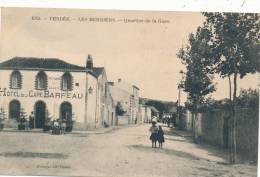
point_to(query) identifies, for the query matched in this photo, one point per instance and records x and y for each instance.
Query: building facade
(146, 114)
(128, 96)
(53, 89)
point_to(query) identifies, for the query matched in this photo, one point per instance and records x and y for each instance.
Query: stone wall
(213, 128)
(247, 133)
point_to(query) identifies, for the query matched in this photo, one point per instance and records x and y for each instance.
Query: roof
(154, 109)
(33, 63)
(98, 70)
(41, 63)
(136, 87)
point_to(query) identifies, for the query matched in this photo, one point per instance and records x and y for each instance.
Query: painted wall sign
(40, 94)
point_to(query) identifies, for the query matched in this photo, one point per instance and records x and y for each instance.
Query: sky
(142, 53)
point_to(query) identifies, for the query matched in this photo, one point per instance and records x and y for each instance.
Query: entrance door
(66, 111)
(40, 113)
(66, 115)
(14, 109)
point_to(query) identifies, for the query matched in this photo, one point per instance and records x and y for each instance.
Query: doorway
(66, 115)
(40, 114)
(14, 110)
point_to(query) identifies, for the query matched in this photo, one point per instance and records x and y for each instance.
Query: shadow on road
(166, 151)
(175, 139)
(34, 155)
(211, 149)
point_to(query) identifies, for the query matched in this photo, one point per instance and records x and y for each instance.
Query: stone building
(146, 113)
(128, 95)
(52, 88)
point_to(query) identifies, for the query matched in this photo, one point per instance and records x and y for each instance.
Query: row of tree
(161, 106)
(227, 44)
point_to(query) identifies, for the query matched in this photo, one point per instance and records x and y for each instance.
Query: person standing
(154, 131)
(160, 137)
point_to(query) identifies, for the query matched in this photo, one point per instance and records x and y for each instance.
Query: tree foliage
(196, 56)
(236, 51)
(248, 98)
(119, 109)
(162, 106)
(235, 38)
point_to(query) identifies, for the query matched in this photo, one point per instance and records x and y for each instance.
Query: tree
(161, 106)
(236, 48)
(2, 118)
(198, 78)
(2, 114)
(119, 109)
(248, 98)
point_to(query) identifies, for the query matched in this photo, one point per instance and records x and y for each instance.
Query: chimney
(89, 64)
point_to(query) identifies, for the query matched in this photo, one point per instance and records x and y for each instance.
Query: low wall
(214, 125)
(247, 133)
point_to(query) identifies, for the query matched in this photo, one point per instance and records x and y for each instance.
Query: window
(14, 109)
(41, 81)
(66, 82)
(16, 80)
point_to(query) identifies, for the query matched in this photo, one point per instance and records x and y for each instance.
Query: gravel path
(123, 152)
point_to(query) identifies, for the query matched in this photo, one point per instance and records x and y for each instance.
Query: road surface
(122, 152)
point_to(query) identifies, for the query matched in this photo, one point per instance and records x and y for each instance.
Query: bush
(248, 98)
(119, 109)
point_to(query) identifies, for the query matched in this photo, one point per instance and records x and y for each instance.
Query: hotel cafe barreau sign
(4, 92)
(52, 92)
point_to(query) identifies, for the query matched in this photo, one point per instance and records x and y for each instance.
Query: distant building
(154, 111)
(128, 96)
(146, 113)
(52, 88)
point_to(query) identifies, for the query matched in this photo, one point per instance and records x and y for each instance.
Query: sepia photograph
(128, 93)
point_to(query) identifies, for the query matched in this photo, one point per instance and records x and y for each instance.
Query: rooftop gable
(40, 63)
(45, 64)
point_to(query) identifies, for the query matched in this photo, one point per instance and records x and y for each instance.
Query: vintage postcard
(128, 93)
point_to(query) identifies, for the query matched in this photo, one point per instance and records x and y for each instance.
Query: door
(66, 115)
(40, 113)
(66, 111)
(14, 110)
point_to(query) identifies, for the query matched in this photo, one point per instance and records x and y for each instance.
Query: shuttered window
(41, 82)
(16, 80)
(66, 82)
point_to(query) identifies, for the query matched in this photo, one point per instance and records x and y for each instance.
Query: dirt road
(123, 152)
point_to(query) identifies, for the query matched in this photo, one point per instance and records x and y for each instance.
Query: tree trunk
(233, 123)
(195, 124)
(230, 92)
(230, 129)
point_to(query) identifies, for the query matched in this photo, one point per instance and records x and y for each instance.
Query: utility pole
(180, 86)
(179, 95)
(178, 105)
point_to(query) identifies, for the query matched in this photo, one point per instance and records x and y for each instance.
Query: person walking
(154, 131)
(160, 137)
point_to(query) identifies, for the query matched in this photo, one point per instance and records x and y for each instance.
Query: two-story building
(128, 96)
(52, 88)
